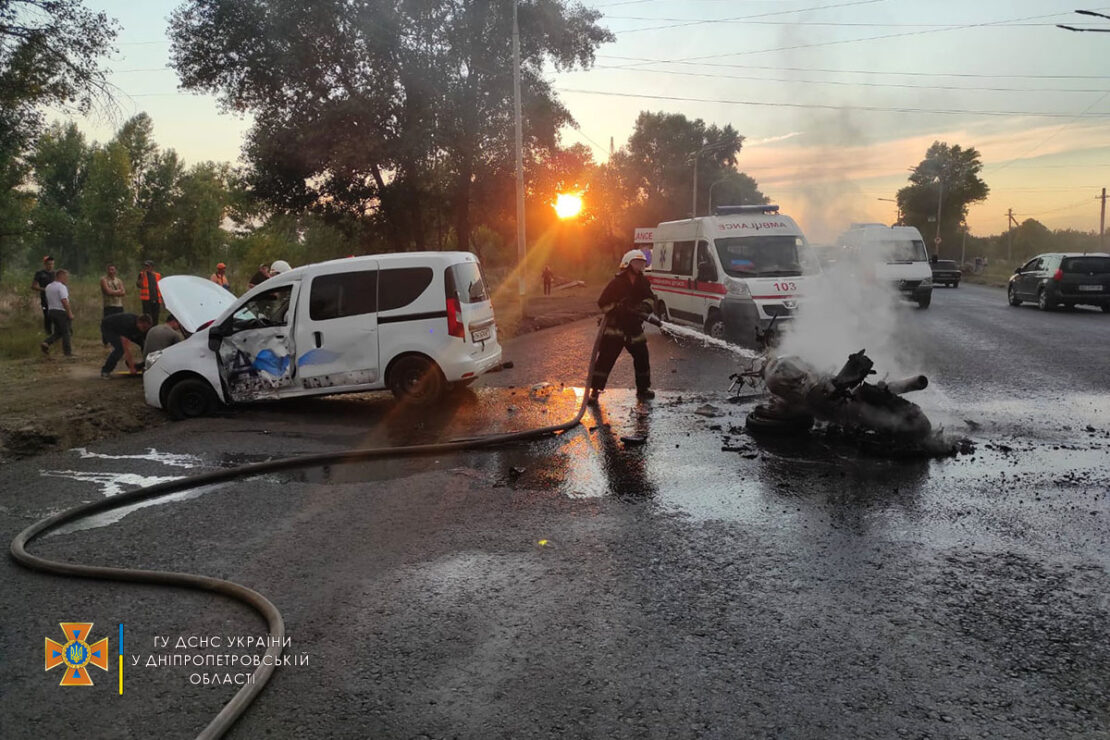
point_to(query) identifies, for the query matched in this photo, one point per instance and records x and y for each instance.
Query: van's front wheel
(190, 398)
(715, 325)
(416, 380)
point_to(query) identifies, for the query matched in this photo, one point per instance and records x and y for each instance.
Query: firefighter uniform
(625, 303)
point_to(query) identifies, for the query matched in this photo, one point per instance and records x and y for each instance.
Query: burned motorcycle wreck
(801, 394)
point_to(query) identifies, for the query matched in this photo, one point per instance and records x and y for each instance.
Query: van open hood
(193, 301)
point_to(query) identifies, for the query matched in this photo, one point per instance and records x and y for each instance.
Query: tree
(109, 217)
(60, 166)
(381, 109)
(655, 170)
(50, 52)
(950, 175)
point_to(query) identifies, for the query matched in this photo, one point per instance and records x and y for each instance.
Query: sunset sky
(837, 99)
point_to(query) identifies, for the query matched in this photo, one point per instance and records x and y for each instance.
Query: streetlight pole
(940, 199)
(697, 156)
(723, 179)
(520, 243)
(898, 208)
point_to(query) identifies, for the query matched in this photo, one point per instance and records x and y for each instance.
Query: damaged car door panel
(412, 323)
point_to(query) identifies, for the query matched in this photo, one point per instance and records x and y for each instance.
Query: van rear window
(765, 256)
(1086, 265)
(466, 282)
(401, 286)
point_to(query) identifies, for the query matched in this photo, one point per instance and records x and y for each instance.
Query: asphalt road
(584, 586)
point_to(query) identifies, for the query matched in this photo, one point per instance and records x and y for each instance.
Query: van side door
(337, 329)
(256, 349)
(683, 303)
(707, 279)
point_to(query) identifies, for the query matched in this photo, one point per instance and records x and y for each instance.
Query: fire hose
(238, 704)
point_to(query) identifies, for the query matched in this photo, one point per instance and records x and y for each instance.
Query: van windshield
(766, 256)
(897, 251)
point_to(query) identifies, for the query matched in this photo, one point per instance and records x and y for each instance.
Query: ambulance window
(705, 262)
(682, 259)
(343, 294)
(401, 286)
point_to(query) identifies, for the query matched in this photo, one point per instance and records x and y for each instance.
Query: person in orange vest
(219, 277)
(149, 294)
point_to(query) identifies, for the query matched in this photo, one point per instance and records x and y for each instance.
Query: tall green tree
(60, 167)
(379, 108)
(655, 170)
(109, 217)
(949, 175)
(50, 55)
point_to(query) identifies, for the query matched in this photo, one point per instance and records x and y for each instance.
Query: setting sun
(568, 205)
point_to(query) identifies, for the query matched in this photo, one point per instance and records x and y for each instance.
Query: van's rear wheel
(416, 380)
(190, 398)
(715, 325)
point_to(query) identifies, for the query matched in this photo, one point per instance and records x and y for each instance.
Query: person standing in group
(149, 294)
(259, 277)
(219, 277)
(122, 330)
(42, 278)
(626, 301)
(548, 277)
(112, 292)
(57, 303)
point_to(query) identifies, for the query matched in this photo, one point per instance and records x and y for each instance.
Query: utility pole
(1102, 221)
(1010, 244)
(520, 243)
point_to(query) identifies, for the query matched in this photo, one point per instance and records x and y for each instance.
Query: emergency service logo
(76, 654)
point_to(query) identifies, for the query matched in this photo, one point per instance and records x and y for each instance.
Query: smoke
(846, 310)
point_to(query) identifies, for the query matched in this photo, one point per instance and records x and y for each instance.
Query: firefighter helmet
(632, 254)
(279, 267)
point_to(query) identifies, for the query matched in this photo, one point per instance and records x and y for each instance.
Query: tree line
(379, 126)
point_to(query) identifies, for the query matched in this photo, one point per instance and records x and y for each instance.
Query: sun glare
(568, 205)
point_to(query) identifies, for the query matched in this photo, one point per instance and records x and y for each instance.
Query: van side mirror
(215, 338)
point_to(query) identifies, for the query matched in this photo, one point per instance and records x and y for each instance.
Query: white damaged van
(413, 323)
(892, 254)
(732, 272)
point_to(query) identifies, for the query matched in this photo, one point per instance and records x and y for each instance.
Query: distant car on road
(946, 272)
(1063, 279)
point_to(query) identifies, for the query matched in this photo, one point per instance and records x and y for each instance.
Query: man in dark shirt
(260, 277)
(42, 278)
(121, 330)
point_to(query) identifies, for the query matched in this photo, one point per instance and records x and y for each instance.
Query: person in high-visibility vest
(219, 277)
(149, 294)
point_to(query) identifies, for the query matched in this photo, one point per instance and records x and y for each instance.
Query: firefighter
(627, 302)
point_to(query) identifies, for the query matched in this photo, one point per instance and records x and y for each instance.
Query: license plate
(480, 335)
(1091, 288)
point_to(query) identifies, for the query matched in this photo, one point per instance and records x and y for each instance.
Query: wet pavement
(656, 572)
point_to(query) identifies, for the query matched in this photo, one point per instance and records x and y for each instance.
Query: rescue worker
(279, 267)
(149, 293)
(627, 302)
(219, 277)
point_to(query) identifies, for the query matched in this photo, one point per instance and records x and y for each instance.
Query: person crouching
(121, 330)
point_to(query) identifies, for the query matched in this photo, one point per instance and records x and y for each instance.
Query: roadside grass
(21, 317)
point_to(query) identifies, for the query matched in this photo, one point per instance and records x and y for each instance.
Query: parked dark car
(1063, 279)
(946, 272)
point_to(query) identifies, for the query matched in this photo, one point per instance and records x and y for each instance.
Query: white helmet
(279, 267)
(632, 254)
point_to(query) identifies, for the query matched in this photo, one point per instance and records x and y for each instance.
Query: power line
(859, 71)
(1051, 136)
(760, 78)
(735, 19)
(877, 109)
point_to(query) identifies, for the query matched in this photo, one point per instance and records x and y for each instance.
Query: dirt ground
(52, 402)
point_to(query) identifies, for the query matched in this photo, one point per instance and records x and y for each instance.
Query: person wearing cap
(42, 278)
(626, 301)
(219, 277)
(149, 293)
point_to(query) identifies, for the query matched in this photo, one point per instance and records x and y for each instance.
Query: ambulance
(732, 272)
